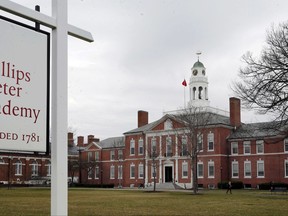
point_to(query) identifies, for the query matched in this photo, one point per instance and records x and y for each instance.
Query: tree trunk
(194, 174)
(154, 178)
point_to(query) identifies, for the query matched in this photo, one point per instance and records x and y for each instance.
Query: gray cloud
(144, 49)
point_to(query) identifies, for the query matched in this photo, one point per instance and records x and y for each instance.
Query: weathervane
(198, 54)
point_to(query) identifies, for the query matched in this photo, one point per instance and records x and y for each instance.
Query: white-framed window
(140, 171)
(18, 167)
(90, 156)
(260, 169)
(200, 169)
(169, 147)
(259, 146)
(235, 169)
(234, 148)
(120, 154)
(153, 146)
(132, 171)
(286, 145)
(210, 139)
(48, 168)
(97, 172)
(286, 168)
(97, 156)
(247, 169)
(120, 172)
(168, 124)
(247, 147)
(34, 168)
(200, 142)
(184, 146)
(211, 171)
(132, 147)
(112, 155)
(112, 172)
(140, 147)
(90, 173)
(184, 169)
(2, 161)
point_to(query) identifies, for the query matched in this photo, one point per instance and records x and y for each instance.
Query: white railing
(201, 109)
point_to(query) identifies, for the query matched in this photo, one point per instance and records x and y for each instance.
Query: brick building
(32, 167)
(231, 150)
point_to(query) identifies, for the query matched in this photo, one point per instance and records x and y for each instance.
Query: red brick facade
(217, 162)
(20, 169)
(250, 153)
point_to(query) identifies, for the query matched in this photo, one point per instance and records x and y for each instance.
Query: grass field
(82, 202)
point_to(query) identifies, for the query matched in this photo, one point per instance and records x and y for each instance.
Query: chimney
(235, 112)
(70, 139)
(80, 141)
(142, 118)
(90, 139)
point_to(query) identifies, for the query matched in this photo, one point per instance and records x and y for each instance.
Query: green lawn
(35, 201)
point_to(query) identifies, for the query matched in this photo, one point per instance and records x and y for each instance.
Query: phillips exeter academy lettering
(9, 71)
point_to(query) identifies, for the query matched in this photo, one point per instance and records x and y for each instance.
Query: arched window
(194, 93)
(200, 92)
(168, 124)
(18, 167)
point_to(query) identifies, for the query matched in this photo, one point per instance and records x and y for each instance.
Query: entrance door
(168, 174)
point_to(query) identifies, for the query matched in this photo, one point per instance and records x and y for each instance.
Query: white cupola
(198, 86)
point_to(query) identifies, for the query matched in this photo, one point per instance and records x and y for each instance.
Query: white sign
(23, 88)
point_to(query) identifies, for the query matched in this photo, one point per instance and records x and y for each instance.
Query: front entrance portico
(168, 171)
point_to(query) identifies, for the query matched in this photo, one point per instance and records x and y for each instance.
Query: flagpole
(184, 97)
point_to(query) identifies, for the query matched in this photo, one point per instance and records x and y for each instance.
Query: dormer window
(168, 124)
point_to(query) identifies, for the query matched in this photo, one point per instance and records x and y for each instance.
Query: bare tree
(73, 167)
(153, 154)
(78, 165)
(264, 80)
(118, 145)
(190, 135)
(89, 165)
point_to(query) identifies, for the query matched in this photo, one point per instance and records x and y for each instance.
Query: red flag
(184, 83)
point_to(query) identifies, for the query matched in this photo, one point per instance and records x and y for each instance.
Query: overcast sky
(143, 49)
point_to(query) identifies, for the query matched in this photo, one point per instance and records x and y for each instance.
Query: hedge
(93, 185)
(235, 185)
(268, 185)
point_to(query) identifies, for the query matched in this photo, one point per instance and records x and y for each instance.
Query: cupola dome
(198, 64)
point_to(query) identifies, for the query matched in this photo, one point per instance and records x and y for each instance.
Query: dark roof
(74, 150)
(214, 119)
(112, 142)
(144, 128)
(258, 130)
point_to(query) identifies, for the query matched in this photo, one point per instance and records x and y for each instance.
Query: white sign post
(59, 108)
(60, 29)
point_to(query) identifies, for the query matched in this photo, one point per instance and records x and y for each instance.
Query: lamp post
(221, 176)
(80, 165)
(9, 172)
